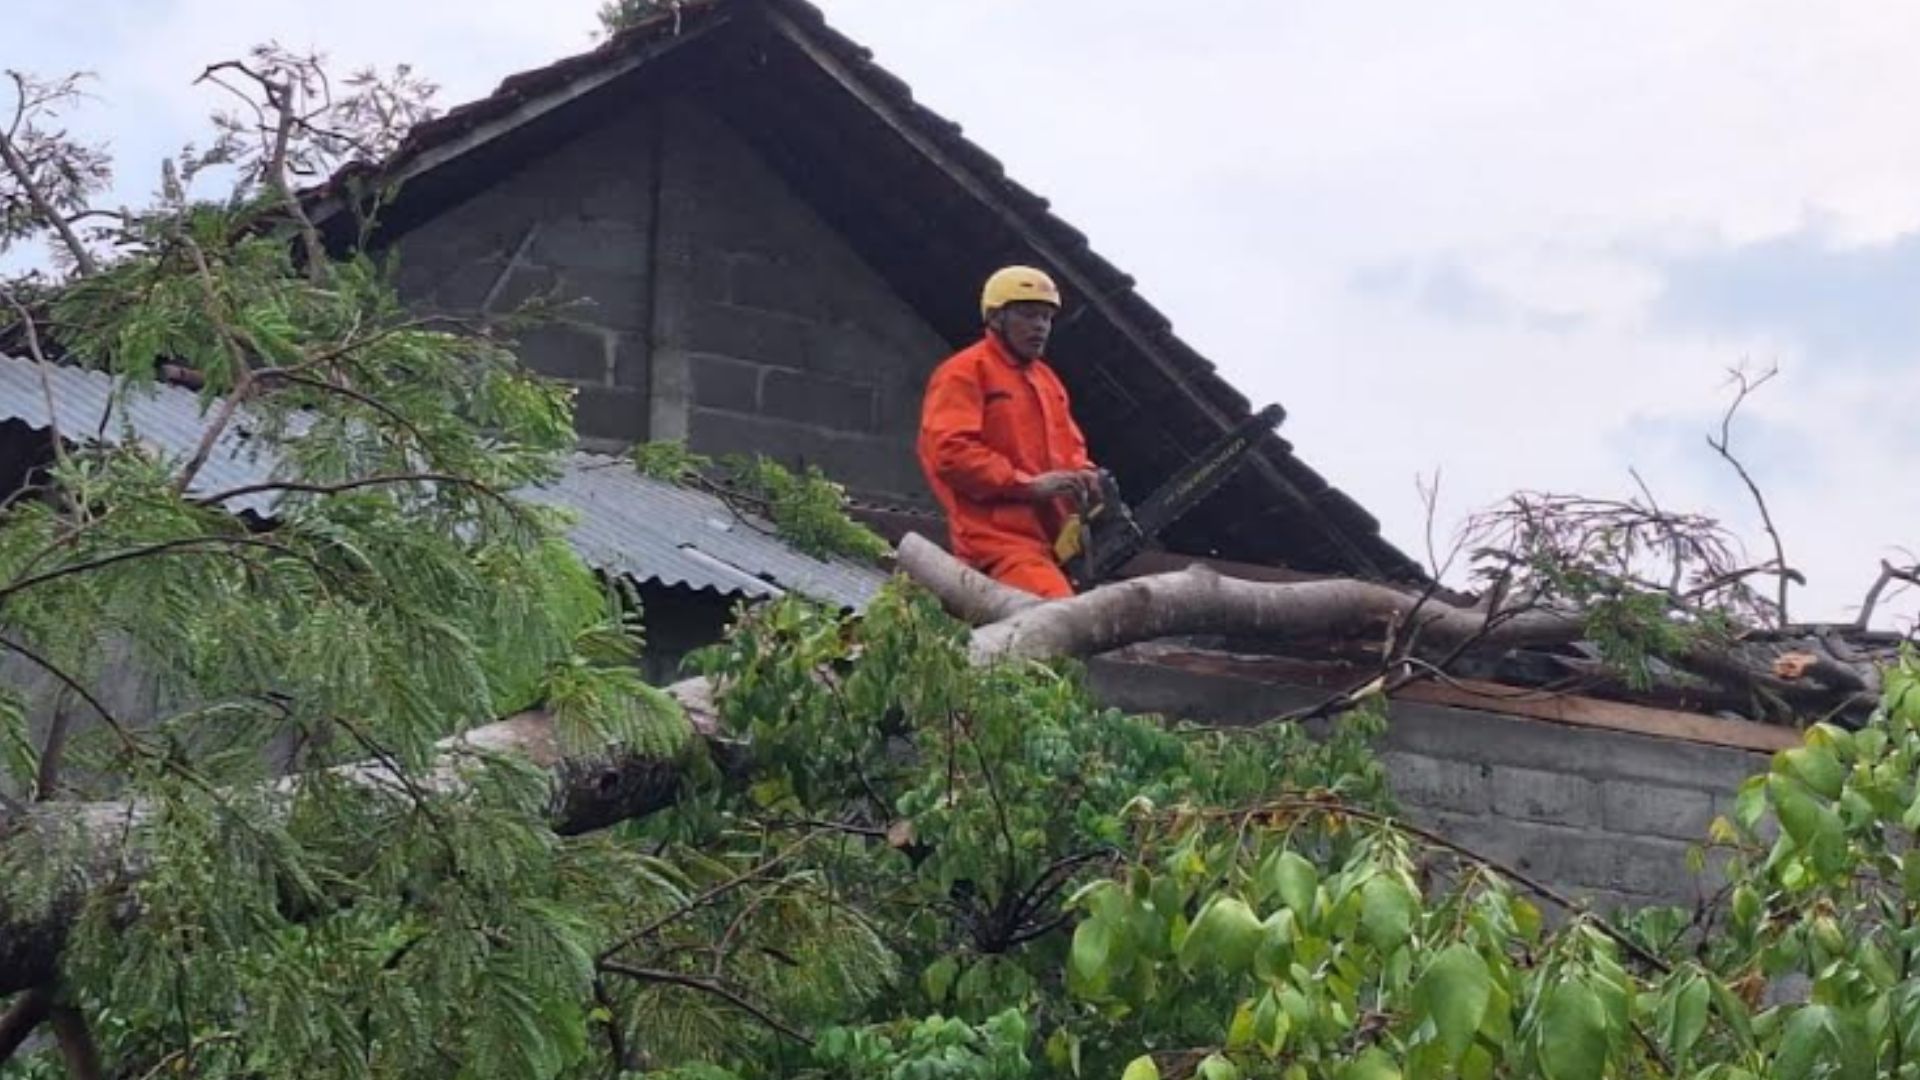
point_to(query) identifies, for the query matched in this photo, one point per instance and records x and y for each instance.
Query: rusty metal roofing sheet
(625, 523)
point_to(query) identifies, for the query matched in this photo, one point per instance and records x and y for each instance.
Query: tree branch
(22, 173)
(1722, 446)
(243, 374)
(589, 791)
(708, 986)
(26, 1013)
(1888, 574)
(709, 896)
(969, 595)
(1199, 601)
(32, 334)
(382, 480)
(76, 1043)
(189, 545)
(48, 666)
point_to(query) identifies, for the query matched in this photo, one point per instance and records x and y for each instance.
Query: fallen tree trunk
(590, 792)
(1199, 601)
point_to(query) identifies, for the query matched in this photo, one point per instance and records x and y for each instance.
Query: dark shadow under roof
(933, 214)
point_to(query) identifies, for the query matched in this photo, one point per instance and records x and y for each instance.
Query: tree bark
(25, 1014)
(1198, 601)
(589, 792)
(969, 595)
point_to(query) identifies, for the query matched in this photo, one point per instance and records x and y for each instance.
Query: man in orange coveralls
(998, 444)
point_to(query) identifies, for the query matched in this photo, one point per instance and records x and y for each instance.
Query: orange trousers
(1034, 572)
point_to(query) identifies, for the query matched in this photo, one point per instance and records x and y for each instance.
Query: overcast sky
(1518, 243)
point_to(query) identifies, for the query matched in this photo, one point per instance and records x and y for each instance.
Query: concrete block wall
(1605, 815)
(772, 335)
(717, 307)
(574, 225)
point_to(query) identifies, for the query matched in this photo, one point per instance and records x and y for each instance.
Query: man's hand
(1082, 485)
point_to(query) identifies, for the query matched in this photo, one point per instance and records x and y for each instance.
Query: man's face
(1025, 326)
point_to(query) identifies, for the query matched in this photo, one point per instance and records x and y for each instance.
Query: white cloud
(146, 55)
(1253, 161)
(1520, 176)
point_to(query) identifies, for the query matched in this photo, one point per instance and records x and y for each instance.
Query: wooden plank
(1490, 697)
(1589, 712)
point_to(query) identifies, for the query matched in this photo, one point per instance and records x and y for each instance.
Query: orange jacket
(989, 425)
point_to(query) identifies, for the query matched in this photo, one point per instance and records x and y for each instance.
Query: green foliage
(383, 596)
(806, 509)
(933, 1048)
(894, 865)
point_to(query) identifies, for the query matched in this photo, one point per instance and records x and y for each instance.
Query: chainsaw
(1104, 534)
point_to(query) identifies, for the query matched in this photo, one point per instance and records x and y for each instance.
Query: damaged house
(771, 244)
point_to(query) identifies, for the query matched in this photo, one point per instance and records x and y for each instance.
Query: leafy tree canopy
(885, 862)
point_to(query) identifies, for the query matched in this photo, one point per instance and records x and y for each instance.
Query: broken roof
(625, 523)
(929, 210)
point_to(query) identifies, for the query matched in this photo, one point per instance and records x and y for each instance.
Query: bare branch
(1888, 574)
(1430, 500)
(1723, 446)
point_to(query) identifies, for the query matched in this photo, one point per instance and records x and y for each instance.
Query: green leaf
(1063, 1051)
(1276, 945)
(1806, 1044)
(18, 752)
(1811, 823)
(1526, 917)
(939, 976)
(1689, 1017)
(1816, 766)
(1240, 1030)
(1372, 1065)
(1141, 1068)
(1573, 1032)
(1751, 802)
(1215, 1067)
(1294, 880)
(1454, 992)
(1911, 819)
(1270, 1024)
(1226, 934)
(1387, 909)
(1087, 960)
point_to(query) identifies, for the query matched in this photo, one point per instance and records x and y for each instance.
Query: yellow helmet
(1015, 283)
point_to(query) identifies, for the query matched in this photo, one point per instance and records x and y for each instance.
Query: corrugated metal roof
(165, 417)
(628, 524)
